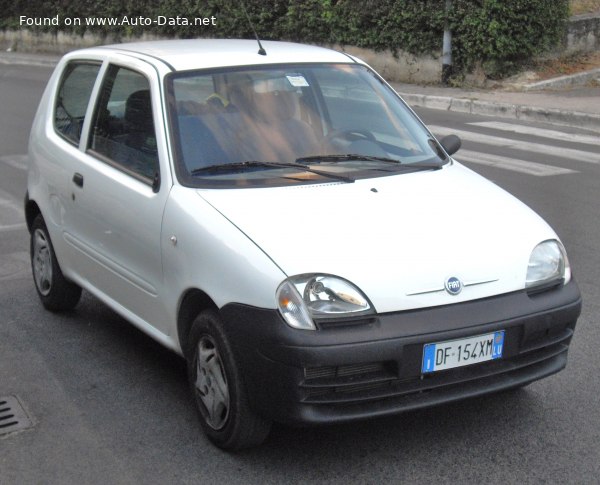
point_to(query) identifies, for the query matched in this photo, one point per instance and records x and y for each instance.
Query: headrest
(138, 110)
(275, 106)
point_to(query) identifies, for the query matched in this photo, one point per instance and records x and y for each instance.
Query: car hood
(397, 238)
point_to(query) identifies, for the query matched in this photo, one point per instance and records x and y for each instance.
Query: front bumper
(372, 367)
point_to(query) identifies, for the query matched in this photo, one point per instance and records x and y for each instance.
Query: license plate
(466, 351)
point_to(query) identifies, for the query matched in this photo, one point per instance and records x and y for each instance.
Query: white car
(287, 224)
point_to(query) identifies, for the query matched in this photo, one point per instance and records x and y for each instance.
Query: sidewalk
(572, 106)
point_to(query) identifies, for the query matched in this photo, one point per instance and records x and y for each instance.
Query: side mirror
(451, 144)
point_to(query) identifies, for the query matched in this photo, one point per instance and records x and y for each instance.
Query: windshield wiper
(237, 166)
(368, 158)
(345, 158)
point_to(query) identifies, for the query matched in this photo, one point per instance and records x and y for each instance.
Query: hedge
(498, 34)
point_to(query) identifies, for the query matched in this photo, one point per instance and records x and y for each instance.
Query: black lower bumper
(372, 367)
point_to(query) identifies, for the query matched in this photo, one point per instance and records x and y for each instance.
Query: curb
(562, 81)
(520, 112)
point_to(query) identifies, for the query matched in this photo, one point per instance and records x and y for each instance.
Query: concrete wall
(583, 34)
(403, 67)
(58, 43)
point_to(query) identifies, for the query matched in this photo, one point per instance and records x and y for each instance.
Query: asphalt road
(111, 406)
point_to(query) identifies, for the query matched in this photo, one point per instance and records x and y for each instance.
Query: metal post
(447, 46)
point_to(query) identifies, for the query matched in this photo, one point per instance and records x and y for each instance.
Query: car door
(118, 193)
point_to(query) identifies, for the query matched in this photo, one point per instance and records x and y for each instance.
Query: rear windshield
(280, 125)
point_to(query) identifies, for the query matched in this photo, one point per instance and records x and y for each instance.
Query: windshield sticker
(297, 80)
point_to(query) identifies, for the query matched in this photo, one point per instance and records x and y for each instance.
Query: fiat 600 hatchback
(287, 224)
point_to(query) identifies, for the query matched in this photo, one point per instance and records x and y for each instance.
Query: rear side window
(123, 127)
(73, 97)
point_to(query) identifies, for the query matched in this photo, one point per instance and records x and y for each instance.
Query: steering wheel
(350, 135)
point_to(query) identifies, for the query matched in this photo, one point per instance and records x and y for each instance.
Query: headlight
(303, 298)
(548, 263)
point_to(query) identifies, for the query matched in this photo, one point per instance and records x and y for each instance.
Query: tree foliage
(498, 34)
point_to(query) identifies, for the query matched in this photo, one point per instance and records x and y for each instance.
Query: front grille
(338, 323)
(347, 379)
(343, 370)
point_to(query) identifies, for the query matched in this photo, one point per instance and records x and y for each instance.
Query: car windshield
(296, 124)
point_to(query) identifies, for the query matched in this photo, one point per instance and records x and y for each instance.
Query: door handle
(78, 179)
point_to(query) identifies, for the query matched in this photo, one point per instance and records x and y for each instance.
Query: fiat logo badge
(453, 285)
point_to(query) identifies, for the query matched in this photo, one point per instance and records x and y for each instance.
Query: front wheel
(218, 390)
(55, 291)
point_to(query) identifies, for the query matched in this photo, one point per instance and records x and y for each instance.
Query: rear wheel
(54, 290)
(218, 390)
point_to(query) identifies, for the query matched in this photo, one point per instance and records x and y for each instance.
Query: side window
(72, 99)
(123, 127)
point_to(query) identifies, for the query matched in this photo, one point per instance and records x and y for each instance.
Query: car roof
(185, 54)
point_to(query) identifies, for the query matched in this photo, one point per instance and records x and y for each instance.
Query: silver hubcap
(42, 262)
(211, 384)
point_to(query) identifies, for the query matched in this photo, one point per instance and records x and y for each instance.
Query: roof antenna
(261, 50)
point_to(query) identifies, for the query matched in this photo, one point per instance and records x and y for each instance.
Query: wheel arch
(192, 303)
(31, 211)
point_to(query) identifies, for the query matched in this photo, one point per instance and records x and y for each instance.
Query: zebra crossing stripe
(15, 161)
(11, 213)
(558, 152)
(15, 265)
(540, 132)
(12, 227)
(530, 168)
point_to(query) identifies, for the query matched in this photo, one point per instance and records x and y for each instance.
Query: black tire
(55, 291)
(218, 389)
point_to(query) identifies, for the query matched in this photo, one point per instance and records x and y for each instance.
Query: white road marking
(541, 132)
(13, 227)
(516, 165)
(554, 151)
(15, 161)
(11, 213)
(14, 265)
